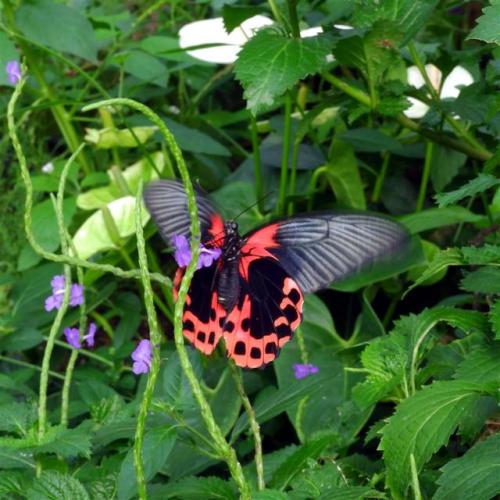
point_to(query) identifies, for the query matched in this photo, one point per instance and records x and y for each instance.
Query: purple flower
(304, 370)
(182, 253)
(56, 299)
(142, 357)
(89, 338)
(13, 69)
(73, 337)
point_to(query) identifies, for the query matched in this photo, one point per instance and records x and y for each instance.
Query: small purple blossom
(89, 338)
(182, 253)
(304, 370)
(56, 299)
(13, 69)
(73, 337)
(142, 357)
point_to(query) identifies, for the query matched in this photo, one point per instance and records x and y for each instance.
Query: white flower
(212, 31)
(48, 168)
(459, 77)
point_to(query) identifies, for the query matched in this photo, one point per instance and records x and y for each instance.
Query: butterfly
(253, 294)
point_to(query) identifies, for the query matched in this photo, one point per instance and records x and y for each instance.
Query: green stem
(257, 163)
(379, 183)
(429, 154)
(220, 443)
(254, 425)
(354, 92)
(155, 337)
(294, 20)
(85, 353)
(417, 494)
(24, 364)
(285, 155)
(66, 387)
(293, 175)
(313, 183)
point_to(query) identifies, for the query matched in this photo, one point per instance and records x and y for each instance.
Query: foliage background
(405, 403)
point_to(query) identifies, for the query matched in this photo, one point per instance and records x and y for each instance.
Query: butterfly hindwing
(268, 310)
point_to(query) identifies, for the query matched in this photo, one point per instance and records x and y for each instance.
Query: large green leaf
(484, 280)
(369, 140)
(478, 185)
(481, 367)
(408, 15)
(270, 64)
(53, 485)
(474, 475)
(421, 425)
(486, 254)
(194, 488)
(487, 25)
(158, 443)
(58, 27)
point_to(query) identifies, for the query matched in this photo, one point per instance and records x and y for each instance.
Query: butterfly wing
(166, 201)
(268, 310)
(316, 250)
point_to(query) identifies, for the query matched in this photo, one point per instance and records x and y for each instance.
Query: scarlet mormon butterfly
(254, 293)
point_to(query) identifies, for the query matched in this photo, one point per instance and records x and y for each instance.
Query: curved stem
(429, 154)
(285, 155)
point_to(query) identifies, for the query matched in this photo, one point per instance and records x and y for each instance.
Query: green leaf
(432, 218)
(343, 174)
(234, 15)
(58, 27)
(157, 445)
(478, 185)
(487, 254)
(270, 64)
(408, 15)
(93, 235)
(108, 138)
(45, 230)
(421, 425)
(445, 165)
(484, 280)
(474, 475)
(52, 485)
(487, 25)
(481, 367)
(195, 488)
(16, 459)
(8, 53)
(17, 417)
(373, 52)
(369, 140)
(296, 461)
(146, 68)
(495, 319)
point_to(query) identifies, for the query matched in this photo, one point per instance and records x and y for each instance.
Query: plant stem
(429, 154)
(379, 183)
(257, 163)
(155, 337)
(18, 362)
(220, 443)
(285, 155)
(294, 20)
(86, 353)
(254, 425)
(293, 176)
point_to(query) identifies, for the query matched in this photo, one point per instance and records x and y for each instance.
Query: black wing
(319, 249)
(166, 201)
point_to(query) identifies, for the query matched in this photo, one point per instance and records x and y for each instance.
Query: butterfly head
(232, 228)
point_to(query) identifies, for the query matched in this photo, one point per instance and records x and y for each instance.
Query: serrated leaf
(474, 475)
(485, 280)
(234, 15)
(408, 15)
(421, 425)
(432, 218)
(270, 64)
(195, 488)
(17, 417)
(487, 254)
(52, 485)
(481, 366)
(16, 459)
(58, 27)
(296, 461)
(475, 186)
(495, 319)
(445, 165)
(487, 25)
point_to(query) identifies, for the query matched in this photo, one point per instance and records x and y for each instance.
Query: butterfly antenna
(254, 204)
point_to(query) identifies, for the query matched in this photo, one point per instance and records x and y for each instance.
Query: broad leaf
(58, 27)
(421, 425)
(194, 488)
(476, 186)
(481, 367)
(270, 64)
(495, 319)
(369, 140)
(51, 485)
(487, 254)
(432, 218)
(484, 280)
(487, 25)
(474, 475)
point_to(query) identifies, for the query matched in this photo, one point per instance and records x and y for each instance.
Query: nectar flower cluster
(56, 299)
(304, 370)
(73, 336)
(13, 69)
(142, 357)
(182, 254)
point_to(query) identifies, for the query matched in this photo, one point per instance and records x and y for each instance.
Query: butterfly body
(253, 294)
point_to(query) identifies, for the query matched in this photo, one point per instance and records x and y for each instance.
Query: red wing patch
(202, 313)
(265, 317)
